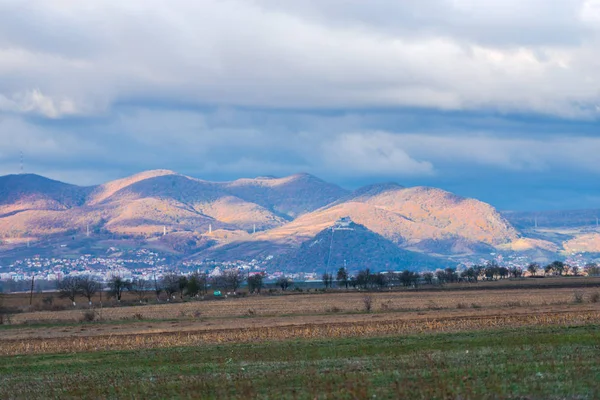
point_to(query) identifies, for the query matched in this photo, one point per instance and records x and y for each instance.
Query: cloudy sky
(494, 99)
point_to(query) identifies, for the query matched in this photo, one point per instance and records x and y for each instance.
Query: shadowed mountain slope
(30, 191)
(355, 247)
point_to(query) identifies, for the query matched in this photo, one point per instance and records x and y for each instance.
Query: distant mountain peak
(108, 189)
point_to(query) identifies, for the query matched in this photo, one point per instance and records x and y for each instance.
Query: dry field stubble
(357, 327)
(265, 318)
(307, 304)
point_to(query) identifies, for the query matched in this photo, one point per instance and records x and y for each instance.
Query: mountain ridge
(248, 217)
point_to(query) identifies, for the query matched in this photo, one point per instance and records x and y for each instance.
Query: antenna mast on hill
(342, 224)
(22, 163)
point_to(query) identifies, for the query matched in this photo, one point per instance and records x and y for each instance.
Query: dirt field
(332, 314)
(323, 303)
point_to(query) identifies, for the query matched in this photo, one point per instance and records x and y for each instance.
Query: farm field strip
(134, 326)
(355, 328)
(304, 304)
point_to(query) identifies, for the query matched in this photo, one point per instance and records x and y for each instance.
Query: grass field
(543, 363)
(484, 342)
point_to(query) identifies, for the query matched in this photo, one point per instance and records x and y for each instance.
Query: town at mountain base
(286, 219)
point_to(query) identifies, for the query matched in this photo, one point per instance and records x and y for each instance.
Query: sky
(493, 99)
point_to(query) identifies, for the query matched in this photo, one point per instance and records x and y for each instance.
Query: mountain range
(249, 218)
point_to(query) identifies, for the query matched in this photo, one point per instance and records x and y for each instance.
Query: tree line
(175, 285)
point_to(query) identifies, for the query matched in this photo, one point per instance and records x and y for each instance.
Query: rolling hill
(255, 217)
(424, 219)
(146, 203)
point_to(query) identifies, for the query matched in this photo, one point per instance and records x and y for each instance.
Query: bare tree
(182, 285)
(441, 276)
(233, 279)
(89, 287)
(69, 288)
(158, 287)
(516, 272)
(533, 268)
(381, 281)
(116, 287)
(194, 285)
(592, 269)
(140, 287)
(203, 281)
(255, 283)
(558, 266)
(327, 280)
(170, 284)
(284, 282)
(364, 278)
(428, 277)
(342, 277)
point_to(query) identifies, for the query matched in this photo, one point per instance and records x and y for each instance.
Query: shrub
(138, 316)
(578, 297)
(595, 297)
(48, 300)
(462, 305)
(333, 309)
(88, 316)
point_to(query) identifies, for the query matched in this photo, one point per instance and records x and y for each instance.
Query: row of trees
(171, 285)
(561, 268)
(231, 280)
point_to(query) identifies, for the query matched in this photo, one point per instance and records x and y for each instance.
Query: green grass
(536, 363)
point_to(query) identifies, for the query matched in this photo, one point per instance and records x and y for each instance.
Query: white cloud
(524, 56)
